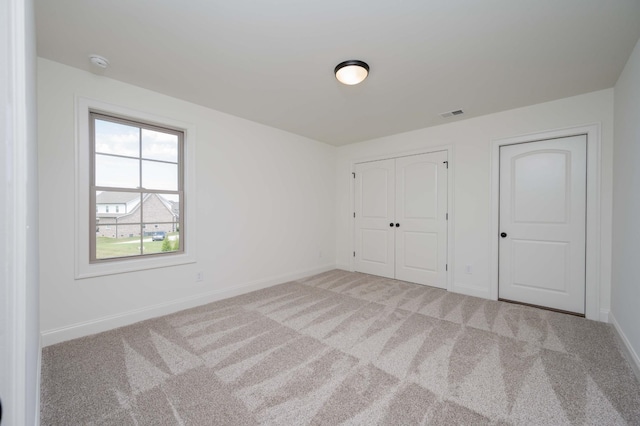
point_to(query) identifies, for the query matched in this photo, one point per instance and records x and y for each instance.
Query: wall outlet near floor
(467, 269)
(199, 276)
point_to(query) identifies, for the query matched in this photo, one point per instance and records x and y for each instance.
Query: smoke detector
(452, 113)
(99, 61)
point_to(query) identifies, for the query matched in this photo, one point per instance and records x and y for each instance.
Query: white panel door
(421, 209)
(374, 198)
(542, 223)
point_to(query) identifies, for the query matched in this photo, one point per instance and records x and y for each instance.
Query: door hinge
(446, 266)
(354, 254)
(354, 214)
(447, 216)
(447, 163)
(354, 174)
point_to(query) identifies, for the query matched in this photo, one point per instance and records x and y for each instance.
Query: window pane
(116, 171)
(110, 247)
(161, 237)
(175, 240)
(118, 225)
(160, 208)
(116, 138)
(121, 206)
(126, 231)
(161, 176)
(101, 220)
(159, 146)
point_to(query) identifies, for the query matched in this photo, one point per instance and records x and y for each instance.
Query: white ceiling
(272, 61)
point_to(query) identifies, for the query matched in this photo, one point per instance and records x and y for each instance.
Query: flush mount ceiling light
(99, 61)
(351, 72)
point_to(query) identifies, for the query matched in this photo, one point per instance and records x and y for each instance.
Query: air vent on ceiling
(451, 113)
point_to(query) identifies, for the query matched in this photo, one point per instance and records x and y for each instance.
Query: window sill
(91, 270)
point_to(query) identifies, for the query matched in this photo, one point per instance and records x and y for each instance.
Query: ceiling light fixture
(351, 72)
(99, 61)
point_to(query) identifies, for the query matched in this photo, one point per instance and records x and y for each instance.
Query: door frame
(593, 134)
(19, 305)
(450, 205)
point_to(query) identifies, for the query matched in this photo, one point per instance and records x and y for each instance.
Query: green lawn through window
(120, 247)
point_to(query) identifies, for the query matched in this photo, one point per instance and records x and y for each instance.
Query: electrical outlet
(467, 269)
(199, 276)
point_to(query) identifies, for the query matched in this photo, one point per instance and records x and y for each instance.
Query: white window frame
(83, 267)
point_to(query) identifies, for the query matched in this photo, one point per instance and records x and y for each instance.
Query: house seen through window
(136, 168)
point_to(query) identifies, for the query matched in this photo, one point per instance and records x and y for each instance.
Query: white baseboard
(626, 347)
(472, 291)
(604, 315)
(86, 328)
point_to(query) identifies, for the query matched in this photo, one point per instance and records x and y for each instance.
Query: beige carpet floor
(344, 348)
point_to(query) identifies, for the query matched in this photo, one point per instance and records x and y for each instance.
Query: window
(140, 165)
(185, 219)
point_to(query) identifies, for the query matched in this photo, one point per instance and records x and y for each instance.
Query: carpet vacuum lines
(344, 348)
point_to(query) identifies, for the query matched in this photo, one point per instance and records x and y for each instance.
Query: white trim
(481, 292)
(86, 328)
(19, 234)
(605, 315)
(629, 353)
(85, 269)
(451, 286)
(592, 295)
(38, 380)
(450, 204)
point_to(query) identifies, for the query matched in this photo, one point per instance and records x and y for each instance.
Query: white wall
(626, 205)
(19, 328)
(265, 204)
(471, 141)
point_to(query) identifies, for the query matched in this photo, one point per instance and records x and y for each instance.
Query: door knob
(503, 235)
(397, 225)
(391, 225)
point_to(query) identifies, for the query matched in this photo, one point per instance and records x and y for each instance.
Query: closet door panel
(421, 209)
(375, 211)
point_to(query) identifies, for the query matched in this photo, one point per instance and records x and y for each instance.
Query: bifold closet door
(374, 204)
(421, 210)
(400, 218)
